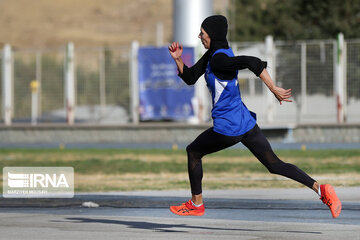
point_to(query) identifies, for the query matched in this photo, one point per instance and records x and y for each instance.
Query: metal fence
(353, 81)
(308, 68)
(1, 85)
(101, 83)
(102, 79)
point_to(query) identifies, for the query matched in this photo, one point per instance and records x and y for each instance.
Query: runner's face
(205, 39)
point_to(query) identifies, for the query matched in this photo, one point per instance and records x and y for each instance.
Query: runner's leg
(257, 143)
(207, 142)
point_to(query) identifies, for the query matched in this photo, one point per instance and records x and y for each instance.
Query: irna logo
(38, 182)
(18, 180)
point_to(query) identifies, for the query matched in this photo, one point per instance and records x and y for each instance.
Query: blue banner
(163, 95)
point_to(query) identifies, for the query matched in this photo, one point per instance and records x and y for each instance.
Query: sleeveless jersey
(230, 115)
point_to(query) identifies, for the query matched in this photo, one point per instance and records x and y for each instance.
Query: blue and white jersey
(230, 115)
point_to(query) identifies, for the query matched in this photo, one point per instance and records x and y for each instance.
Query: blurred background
(76, 71)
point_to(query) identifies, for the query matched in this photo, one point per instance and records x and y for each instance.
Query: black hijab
(216, 27)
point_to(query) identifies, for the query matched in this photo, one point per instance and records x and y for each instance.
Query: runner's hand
(175, 50)
(282, 94)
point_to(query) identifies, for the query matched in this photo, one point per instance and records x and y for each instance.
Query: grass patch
(125, 170)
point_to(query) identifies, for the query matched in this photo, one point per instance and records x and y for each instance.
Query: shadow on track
(161, 227)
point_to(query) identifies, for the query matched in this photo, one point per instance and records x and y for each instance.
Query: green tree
(252, 20)
(293, 19)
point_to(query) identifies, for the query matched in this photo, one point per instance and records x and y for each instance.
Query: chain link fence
(101, 79)
(102, 83)
(1, 87)
(308, 68)
(103, 95)
(353, 81)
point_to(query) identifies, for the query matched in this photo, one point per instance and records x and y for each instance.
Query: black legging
(210, 141)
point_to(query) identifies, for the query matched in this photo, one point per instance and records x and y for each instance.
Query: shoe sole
(335, 210)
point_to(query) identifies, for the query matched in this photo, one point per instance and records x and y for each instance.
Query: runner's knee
(275, 168)
(194, 156)
(192, 152)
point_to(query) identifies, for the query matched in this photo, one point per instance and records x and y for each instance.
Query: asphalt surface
(230, 214)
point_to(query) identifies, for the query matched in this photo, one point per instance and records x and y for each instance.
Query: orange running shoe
(188, 209)
(328, 196)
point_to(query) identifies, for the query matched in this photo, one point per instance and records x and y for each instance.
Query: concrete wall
(167, 133)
